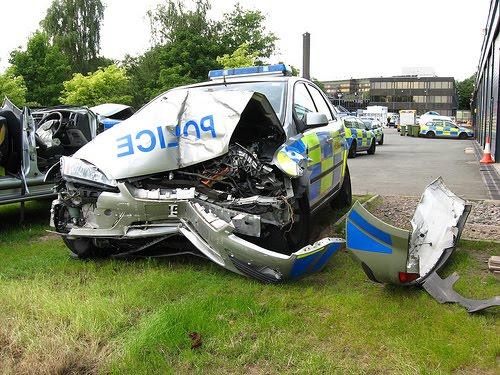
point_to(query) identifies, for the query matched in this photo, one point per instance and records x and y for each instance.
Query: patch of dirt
(483, 222)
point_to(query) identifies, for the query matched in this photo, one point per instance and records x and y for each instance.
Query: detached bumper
(121, 216)
(397, 256)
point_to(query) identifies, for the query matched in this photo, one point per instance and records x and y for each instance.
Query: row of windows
(409, 98)
(412, 85)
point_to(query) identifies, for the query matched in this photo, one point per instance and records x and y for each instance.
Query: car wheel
(431, 134)
(381, 142)
(371, 150)
(462, 136)
(81, 248)
(297, 236)
(352, 150)
(344, 197)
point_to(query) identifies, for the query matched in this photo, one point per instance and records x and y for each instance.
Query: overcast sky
(349, 38)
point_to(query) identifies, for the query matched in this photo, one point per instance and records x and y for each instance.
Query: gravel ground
(483, 222)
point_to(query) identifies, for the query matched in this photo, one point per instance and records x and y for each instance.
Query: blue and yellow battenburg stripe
(321, 156)
(314, 261)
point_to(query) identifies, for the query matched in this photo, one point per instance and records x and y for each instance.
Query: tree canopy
(187, 43)
(240, 57)
(75, 26)
(44, 68)
(106, 85)
(12, 87)
(465, 89)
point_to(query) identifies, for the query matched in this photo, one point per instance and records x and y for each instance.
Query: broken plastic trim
(393, 255)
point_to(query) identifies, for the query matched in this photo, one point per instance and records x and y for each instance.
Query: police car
(358, 136)
(444, 129)
(375, 126)
(236, 166)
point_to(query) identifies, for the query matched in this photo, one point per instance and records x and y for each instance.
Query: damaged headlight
(77, 170)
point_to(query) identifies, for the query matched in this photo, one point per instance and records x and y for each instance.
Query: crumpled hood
(179, 128)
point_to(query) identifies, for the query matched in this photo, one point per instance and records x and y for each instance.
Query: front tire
(352, 150)
(381, 142)
(298, 235)
(431, 134)
(344, 197)
(81, 248)
(371, 150)
(462, 136)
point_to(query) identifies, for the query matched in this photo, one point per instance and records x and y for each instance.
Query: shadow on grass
(36, 220)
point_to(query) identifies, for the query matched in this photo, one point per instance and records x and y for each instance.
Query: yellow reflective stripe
(326, 164)
(326, 183)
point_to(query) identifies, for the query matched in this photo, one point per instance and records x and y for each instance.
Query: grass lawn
(59, 315)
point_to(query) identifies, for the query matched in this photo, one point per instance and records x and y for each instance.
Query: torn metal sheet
(178, 129)
(393, 255)
(442, 291)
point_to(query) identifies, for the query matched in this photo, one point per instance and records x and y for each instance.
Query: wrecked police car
(236, 166)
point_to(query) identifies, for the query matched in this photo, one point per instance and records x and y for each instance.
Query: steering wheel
(59, 127)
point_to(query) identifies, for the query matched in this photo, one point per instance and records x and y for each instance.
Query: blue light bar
(251, 70)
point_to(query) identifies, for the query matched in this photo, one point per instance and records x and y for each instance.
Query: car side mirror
(316, 119)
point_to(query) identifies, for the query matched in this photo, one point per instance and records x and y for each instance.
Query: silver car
(33, 141)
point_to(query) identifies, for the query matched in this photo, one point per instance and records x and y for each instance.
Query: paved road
(405, 165)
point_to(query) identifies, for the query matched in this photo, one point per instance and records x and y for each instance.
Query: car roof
(244, 79)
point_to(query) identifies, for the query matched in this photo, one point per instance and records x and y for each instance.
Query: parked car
(236, 166)
(431, 115)
(376, 126)
(445, 129)
(32, 142)
(358, 137)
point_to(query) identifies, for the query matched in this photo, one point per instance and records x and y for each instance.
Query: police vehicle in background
(359, 136)
(444, 129)
(237, 166)
(376, 127)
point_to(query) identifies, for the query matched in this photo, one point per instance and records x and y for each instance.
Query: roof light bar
(277, 69)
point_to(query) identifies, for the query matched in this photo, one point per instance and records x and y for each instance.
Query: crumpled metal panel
(177, 129)
(386, 252)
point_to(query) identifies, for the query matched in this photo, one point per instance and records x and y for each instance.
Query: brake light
(406, 277)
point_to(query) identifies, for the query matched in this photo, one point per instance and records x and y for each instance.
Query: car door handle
(329, 139)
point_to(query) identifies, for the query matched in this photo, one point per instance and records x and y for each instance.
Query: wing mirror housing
(314, 119)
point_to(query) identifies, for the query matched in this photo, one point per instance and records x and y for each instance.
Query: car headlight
(77, 170)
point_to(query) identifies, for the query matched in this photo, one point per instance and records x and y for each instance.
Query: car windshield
(367, 122)
(274, 91)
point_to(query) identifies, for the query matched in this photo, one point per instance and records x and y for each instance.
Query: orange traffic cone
(487, 159)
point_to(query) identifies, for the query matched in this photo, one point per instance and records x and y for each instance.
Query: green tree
(12, 87)
(247, 26)
(240, 57)
(465, 89)
(106, 85)
(319, 84)
(75, 26)
(187, 43)
(44, 68)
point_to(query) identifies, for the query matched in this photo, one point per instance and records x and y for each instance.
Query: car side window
(320, 102)
(361, 124)
(302, 101)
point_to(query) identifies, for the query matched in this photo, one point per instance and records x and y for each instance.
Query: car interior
(58, 132)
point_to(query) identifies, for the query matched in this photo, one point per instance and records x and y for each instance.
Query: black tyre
(371, 150)
(344, 197)
(462, 136)
(431, 134)
(298, 234)
(381, 142)
(352, 150)
(81, 248)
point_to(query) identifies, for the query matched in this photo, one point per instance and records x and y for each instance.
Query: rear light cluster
(406, 277)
